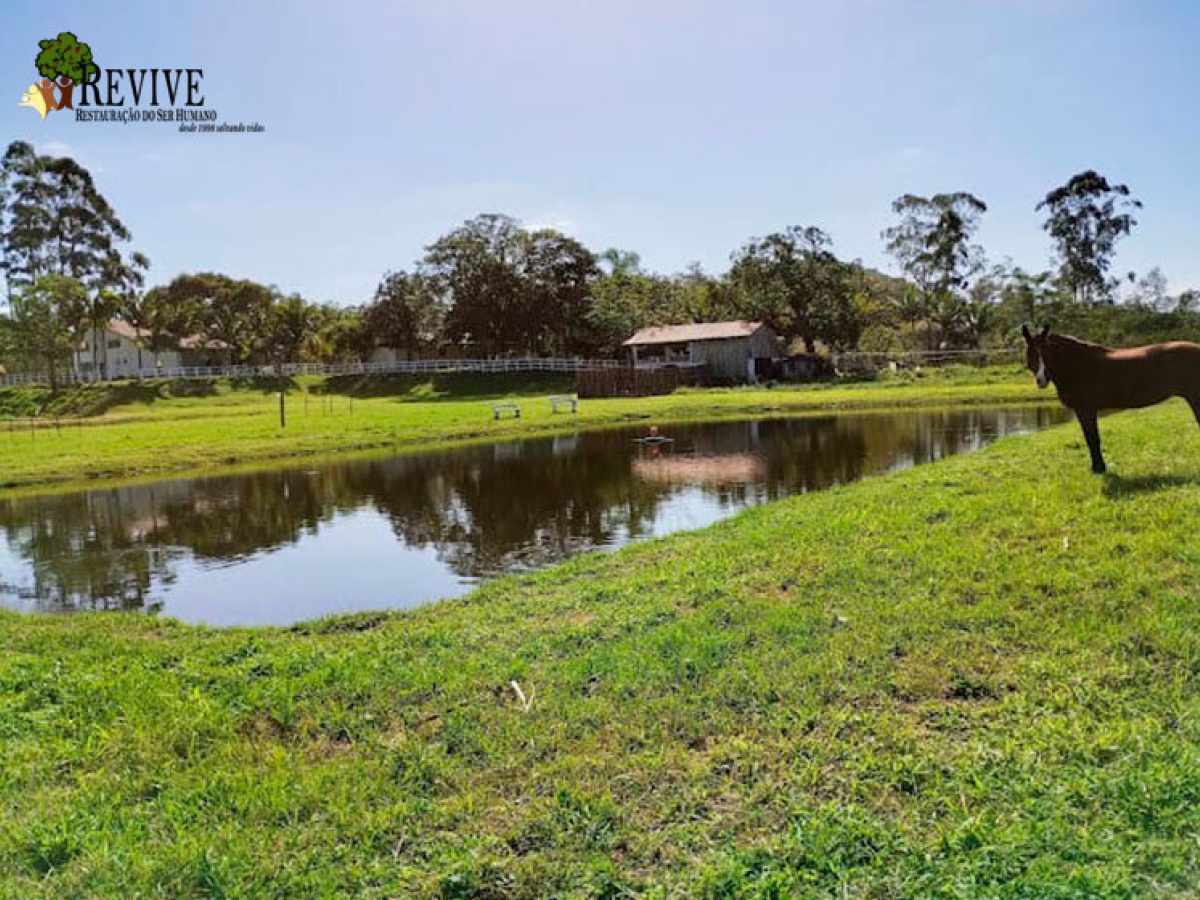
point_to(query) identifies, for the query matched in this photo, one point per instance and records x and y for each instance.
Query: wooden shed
(733, 351)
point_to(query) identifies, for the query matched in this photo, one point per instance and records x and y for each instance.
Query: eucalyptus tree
(932, 244)
(1085, 218)
(54, 221)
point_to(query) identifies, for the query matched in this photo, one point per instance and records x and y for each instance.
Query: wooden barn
(733, 351)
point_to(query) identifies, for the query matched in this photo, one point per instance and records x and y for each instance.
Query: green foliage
(932, 244)
(54, 221)
(38, 329)
(407, 313)
(794, 282)
(1085, 218)
(292, 327)
(509, 290)
(65, 57)
(627, 299)
(343, 335)
(235, 312)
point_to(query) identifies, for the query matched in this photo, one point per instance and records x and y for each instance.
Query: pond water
(300, 542)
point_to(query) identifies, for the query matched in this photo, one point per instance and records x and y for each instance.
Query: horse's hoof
(1099, 470)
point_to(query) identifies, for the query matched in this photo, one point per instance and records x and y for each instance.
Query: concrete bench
(563, 402)
(499, 409)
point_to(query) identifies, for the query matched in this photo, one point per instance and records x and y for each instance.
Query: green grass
(139, 430)
(976, 678)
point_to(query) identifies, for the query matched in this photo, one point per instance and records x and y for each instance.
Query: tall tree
(557, 273)
(53, 220)
(932, 244)
(406, 314)
(793, 281)
(510, 290)
(475, 265)
(1085, 218)
(1151, 290)
(38, 327)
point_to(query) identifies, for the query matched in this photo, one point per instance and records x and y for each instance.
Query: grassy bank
(128, 431)
(977, 678)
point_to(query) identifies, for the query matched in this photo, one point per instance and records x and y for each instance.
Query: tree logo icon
(63, 63)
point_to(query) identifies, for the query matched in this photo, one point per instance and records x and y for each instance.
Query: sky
(674, 128)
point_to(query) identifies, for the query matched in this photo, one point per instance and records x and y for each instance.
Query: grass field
(137, 430)
(976, 678)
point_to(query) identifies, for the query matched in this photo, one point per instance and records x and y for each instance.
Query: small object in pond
(653, 437)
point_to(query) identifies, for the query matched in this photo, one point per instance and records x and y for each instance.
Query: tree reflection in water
(483, 510)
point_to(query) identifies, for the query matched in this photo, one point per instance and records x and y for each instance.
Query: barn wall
(763, 343)
(726, 358)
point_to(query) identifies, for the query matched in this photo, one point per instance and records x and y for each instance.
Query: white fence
(399, 367)
(843, 362)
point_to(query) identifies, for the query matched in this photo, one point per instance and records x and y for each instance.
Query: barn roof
(696, 331)
(121, 328)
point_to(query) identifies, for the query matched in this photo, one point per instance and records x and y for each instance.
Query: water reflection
(291, 544)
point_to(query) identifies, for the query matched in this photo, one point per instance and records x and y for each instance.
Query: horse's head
(1035, 353)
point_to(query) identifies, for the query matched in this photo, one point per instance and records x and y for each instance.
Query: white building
(119, 350)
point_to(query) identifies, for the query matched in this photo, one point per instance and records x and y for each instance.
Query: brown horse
(1091, 379)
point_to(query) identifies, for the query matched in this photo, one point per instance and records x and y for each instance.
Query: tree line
(492, 287)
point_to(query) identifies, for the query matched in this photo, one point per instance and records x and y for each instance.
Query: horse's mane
(1066, 340)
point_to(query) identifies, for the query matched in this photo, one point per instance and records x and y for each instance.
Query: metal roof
(695, 331)
(123, 329)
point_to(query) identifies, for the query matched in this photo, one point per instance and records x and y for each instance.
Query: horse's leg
(1194, 403)
(1091, 434)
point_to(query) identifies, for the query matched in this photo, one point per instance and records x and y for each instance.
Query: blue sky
(676, 128)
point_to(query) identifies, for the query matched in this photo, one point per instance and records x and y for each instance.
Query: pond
(296, 543)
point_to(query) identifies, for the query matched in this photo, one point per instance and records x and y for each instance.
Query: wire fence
(859, 361)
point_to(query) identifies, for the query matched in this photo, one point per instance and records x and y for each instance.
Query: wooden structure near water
(639, 382)
(734, 352)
